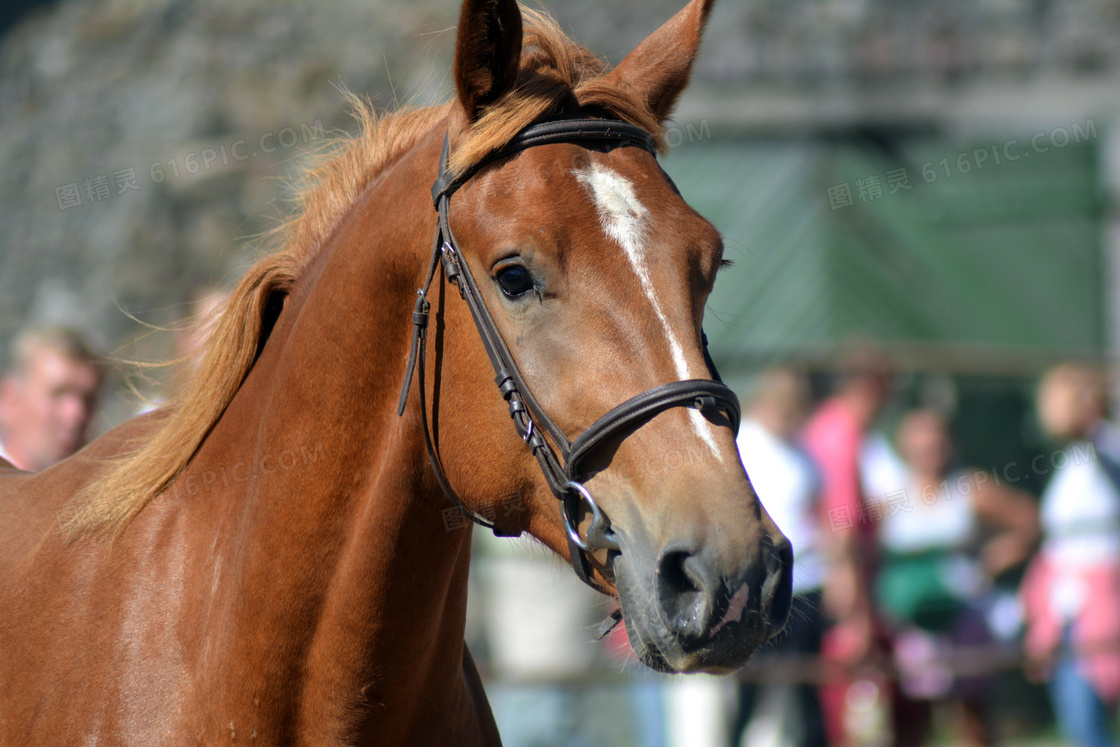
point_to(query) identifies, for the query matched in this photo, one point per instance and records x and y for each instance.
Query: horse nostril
(777, 590)
(781, 558)
(681, 593)
(671, 570)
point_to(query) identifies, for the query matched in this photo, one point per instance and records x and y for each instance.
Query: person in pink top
(834, 438)
(1072, 590)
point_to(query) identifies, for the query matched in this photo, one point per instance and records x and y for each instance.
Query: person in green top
(945, 536)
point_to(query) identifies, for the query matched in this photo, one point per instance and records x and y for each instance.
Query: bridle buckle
(705, 402)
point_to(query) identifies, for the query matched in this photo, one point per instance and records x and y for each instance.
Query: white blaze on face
(625, 220)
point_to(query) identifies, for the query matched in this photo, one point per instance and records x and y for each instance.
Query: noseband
(529, 419)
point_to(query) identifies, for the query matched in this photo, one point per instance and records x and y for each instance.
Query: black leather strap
(523, 408)
(507, 375)
(702, 394)
(417, 355)
(608, 132)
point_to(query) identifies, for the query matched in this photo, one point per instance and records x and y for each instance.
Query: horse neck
(347, 530)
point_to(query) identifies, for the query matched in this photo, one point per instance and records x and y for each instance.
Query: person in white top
(1072, 590)
(788, 484)
(48, 398)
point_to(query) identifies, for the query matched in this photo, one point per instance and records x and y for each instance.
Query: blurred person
(834, 437)
(49, 397)
(945, 537)
(205, 307)
(1072, 589)
(787, 482)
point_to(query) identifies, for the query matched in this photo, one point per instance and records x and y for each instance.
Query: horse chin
(724, 651)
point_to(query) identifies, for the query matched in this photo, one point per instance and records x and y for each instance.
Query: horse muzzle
(692, 607)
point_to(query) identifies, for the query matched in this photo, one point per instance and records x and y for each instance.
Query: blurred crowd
(922, 578)
(918, 579)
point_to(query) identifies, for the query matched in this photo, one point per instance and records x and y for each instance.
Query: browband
(557, 131)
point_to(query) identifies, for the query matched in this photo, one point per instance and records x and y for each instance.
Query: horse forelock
(556, 74)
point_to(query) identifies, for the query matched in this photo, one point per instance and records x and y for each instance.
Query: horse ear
(487, 53)
(659, 68)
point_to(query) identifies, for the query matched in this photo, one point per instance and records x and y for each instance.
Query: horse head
(592, 269)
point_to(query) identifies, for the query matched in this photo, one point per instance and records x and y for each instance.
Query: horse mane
(556, 75)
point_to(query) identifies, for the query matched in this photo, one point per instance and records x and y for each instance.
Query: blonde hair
(65, 341)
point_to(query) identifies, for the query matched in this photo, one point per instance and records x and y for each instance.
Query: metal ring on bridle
(600, 536)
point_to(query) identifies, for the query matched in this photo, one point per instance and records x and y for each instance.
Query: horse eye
(515, 281)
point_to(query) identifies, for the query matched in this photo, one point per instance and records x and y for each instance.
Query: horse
(279, 555)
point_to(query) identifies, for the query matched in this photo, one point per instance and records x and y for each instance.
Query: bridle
(530, 420)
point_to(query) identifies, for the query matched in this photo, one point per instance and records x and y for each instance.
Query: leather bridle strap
(702, 394)
(605, 132)
(529, 418)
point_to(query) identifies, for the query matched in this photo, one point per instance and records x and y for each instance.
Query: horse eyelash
(725, 263)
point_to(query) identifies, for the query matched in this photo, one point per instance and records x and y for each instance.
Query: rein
(529, 419)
